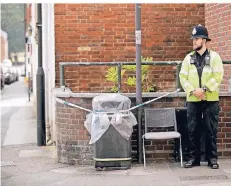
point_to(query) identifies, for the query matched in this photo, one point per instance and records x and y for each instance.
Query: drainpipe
(138, 79)
(41, 125)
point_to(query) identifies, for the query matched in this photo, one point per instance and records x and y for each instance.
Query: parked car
(7, 71)
(8, 75)
(15, 74)
(7, 63)
(23, 70)
(2, 78)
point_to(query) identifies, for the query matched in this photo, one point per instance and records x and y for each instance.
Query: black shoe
(191, 163)
(213, 164)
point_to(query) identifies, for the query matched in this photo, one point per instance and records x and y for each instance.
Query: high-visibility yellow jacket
(211, 77)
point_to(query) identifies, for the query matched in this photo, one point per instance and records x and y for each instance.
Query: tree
(12, 22)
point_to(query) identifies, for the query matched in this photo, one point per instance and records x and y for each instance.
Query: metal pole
(177, 76)
(117, 63)
(29, 84)
(138, 79)
(226, 62)
(61, 73)
(119, 78)
(41, 134)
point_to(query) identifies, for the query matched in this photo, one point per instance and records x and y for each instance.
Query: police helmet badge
(194, 31)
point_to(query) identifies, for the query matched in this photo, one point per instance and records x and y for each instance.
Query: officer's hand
(202, 97)
(198, 92)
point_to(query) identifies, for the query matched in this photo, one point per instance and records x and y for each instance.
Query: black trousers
(202, 118)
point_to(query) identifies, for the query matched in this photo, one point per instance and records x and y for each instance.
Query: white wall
(49, 67)
(34, 56)
(48, 52)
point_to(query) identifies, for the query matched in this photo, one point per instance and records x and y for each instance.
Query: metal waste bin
(111, 131)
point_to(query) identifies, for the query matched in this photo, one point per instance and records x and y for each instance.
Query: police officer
(200, 76)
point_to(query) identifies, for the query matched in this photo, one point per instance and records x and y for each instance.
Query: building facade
(106, 33)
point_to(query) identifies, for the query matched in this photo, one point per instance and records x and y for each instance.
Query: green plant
(112, 76)
(147, 85)
(131, 81)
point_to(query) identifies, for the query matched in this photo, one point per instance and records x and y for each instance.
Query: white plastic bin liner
(97, 123)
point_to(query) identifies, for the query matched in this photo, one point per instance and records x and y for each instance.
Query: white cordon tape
(132, 108)
(72, 105)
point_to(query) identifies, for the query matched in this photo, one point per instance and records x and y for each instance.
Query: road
(15, 108)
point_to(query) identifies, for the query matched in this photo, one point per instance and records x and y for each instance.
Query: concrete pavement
(18, 119)
(23, 163)
(22, 127)
(36, 166)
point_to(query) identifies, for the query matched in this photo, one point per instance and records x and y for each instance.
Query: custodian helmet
(200, 31)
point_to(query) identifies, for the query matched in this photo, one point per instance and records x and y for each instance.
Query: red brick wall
(73, 139)
(105, 32)
(218, 22)
(28, 13)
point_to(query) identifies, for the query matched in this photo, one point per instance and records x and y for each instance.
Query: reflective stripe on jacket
(211, 77)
